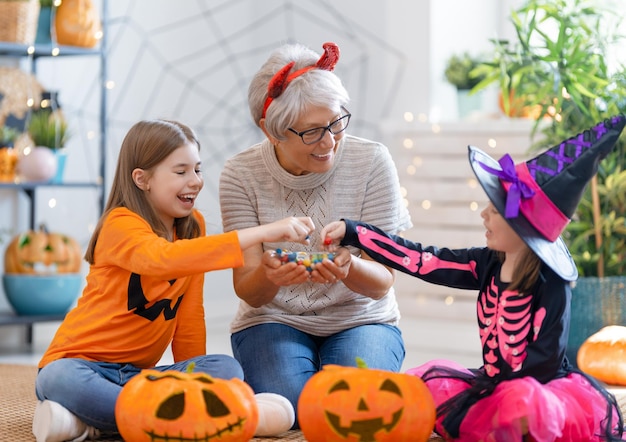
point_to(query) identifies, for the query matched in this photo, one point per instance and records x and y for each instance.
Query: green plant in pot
(45, 160)
(460, 72)
(558, 65)
(48, 129)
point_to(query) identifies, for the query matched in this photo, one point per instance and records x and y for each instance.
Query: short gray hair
(317, 87)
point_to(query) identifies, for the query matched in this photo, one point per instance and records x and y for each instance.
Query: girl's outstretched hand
(296, 229)
(332, 234)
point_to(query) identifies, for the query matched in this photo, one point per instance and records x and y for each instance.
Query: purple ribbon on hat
(518, 188)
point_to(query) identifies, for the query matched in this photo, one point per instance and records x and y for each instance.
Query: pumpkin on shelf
(352, 404)
(603, 355)
(173, 405)
(41, 251)
(77, 23)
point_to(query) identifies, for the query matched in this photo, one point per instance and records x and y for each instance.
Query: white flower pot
(37, 164)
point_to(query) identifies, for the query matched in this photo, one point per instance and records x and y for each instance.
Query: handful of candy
(307, 259)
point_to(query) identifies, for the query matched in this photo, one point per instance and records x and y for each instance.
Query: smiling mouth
(187, 198)
(322, 157)
(365, 429)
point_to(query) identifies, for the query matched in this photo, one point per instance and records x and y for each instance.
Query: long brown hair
(526, 271)
(146, 145)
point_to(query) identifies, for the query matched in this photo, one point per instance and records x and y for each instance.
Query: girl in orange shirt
(144, 291)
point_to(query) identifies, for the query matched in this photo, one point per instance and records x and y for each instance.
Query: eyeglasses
(312, 136)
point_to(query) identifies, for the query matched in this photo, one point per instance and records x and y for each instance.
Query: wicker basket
(18, 20)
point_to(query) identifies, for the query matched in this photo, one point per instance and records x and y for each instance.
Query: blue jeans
(280, 359)
(89, 389)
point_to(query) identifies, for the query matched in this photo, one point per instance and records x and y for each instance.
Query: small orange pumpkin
(8, 163)
(351, 404)
(42, 252)
(177, 406)
(603, 355)
(77, 23)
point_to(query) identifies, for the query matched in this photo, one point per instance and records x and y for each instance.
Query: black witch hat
(539, 197)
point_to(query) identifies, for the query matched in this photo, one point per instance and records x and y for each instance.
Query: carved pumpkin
(177, 406)
(603, 355)
(361, 404)
(77, 23)
(42, 252)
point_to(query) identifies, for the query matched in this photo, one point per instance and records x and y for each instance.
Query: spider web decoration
(193, 61)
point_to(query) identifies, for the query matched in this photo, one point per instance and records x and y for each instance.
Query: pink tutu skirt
(567, 409)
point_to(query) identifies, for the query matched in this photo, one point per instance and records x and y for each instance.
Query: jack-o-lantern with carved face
(177, 406)
(364, 405)
(42, 251)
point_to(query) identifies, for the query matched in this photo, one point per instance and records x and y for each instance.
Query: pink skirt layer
(568, 409)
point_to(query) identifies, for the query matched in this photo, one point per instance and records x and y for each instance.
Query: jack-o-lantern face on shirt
(188, 407)
(360, 405)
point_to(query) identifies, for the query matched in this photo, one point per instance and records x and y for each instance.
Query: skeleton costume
(526, 384)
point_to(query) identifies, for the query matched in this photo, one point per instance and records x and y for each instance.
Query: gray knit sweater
(362, 185)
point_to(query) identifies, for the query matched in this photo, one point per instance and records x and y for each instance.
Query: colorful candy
(307, 259)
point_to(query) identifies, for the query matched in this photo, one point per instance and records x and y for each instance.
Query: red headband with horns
(282, 78)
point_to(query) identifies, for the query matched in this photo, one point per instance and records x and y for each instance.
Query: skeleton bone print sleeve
(518, 332)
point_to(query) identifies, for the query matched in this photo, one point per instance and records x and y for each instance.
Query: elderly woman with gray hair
(293, 319)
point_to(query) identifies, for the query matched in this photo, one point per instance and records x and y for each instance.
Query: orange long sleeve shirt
(143, 293)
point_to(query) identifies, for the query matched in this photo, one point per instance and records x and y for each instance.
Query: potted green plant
(48, 129)
(49, 132)
(460, 71)
(558, 65)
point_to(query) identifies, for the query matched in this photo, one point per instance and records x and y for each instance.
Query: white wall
(463, 27)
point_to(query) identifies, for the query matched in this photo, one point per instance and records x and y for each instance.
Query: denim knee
(217, 365)
(55, 379)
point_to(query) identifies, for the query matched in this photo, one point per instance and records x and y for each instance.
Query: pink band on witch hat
(525, 195)
(539, 210)
(282, 78)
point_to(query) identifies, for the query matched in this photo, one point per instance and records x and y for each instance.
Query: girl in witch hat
(526, 388)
